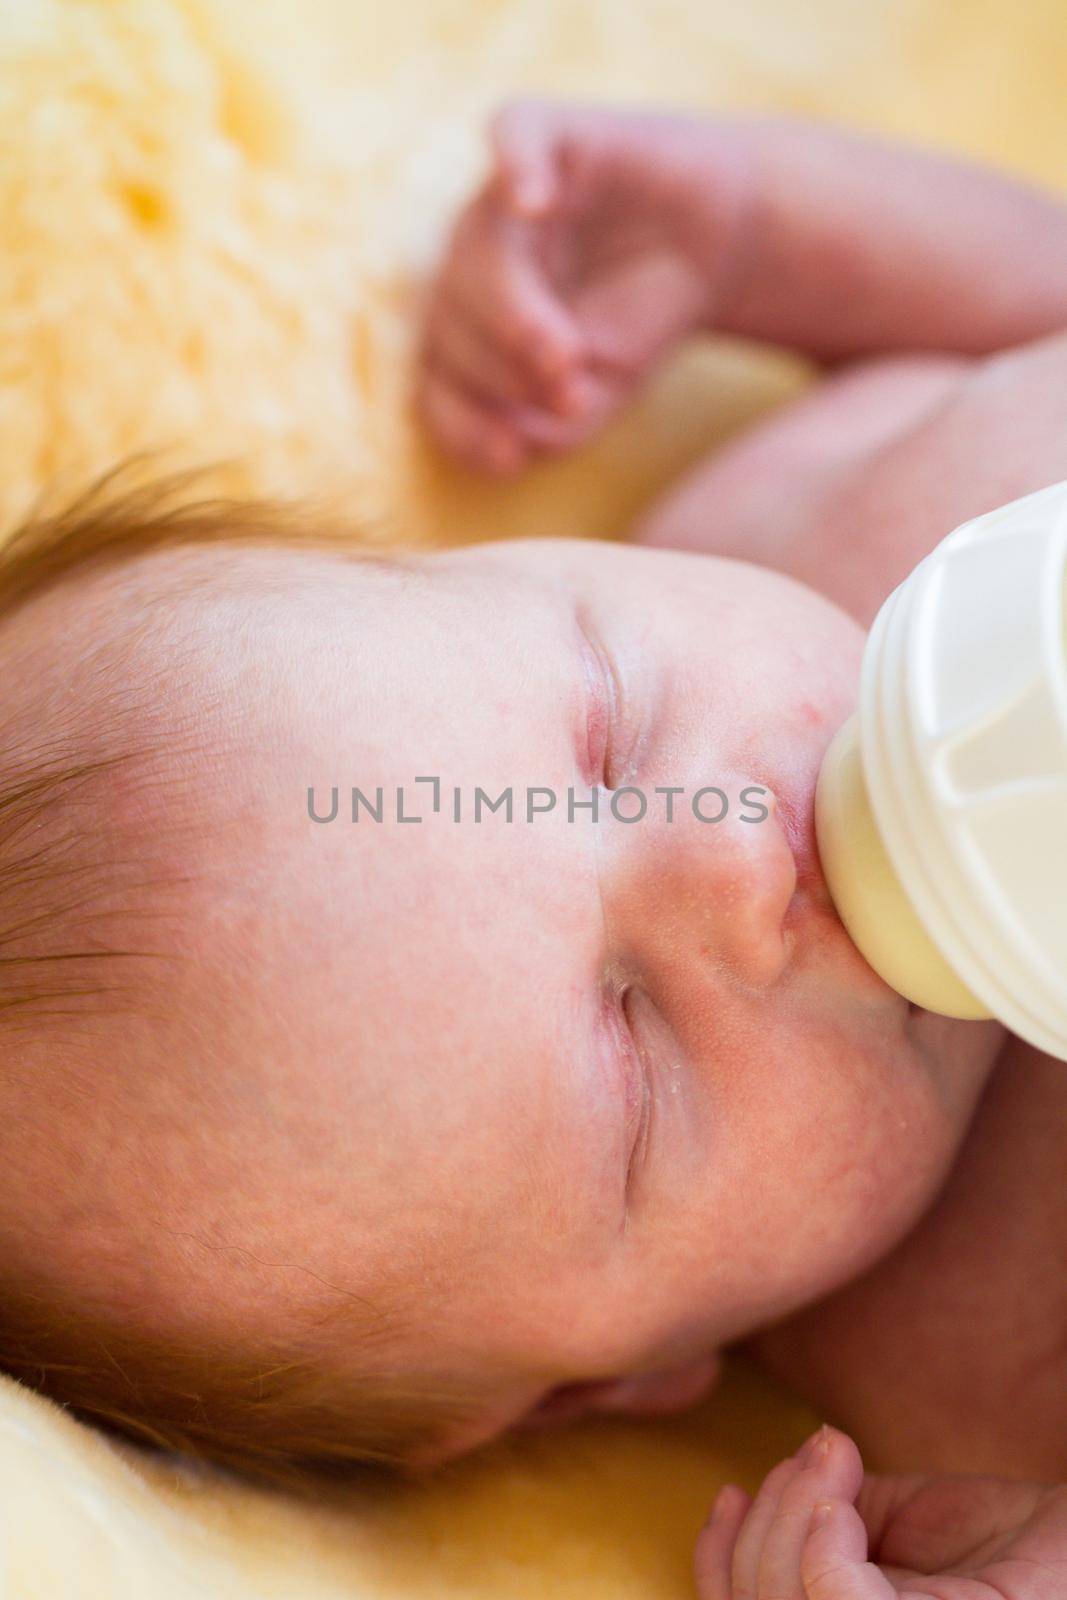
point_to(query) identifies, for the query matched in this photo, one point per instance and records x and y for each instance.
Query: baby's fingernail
(815, 1450)
(724, 1502)
(820, 1514)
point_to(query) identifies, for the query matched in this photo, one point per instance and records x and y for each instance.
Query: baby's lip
(812, 904)
(811, 894)
(796, 812)
(811, 899)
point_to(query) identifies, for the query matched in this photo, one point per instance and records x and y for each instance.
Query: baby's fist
(592, 247)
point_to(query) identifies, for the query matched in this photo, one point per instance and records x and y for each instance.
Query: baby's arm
(601, 237)
(848, 246)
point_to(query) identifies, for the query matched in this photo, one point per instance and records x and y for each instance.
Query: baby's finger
(830, 1466)
(525, 137)
(495, 278)
(713, 1554)
(466, 427)
(459, 349)
(833, 1563)
(750, 1540)
(589, 405)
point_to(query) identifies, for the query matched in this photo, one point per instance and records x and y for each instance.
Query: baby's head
(335, 1139)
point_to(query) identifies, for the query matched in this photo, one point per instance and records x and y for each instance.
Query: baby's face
(572, 1100)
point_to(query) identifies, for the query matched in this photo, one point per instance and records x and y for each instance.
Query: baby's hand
(809, 1532)
(595, 244)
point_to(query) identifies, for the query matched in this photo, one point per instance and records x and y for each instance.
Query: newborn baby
(354, 1113)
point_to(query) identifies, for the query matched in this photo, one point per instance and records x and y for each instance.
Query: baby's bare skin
(951, 1354)
(938, 294)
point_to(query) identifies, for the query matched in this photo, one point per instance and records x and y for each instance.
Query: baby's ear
(646, 1394)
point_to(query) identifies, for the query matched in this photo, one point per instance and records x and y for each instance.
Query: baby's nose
(709, 885)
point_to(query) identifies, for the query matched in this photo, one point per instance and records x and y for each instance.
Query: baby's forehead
(271, 582)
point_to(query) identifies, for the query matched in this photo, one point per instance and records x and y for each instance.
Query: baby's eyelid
(602, 700)
(642, 1112)
(635, 1079)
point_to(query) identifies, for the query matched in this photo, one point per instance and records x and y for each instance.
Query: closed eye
(638, 1095)
(600, 705)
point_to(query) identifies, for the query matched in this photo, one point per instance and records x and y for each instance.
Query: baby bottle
(941, 808)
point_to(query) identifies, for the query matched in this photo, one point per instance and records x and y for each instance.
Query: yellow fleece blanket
(214, 216)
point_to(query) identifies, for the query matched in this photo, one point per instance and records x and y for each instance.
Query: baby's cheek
(849, 1146)
(887, 1147)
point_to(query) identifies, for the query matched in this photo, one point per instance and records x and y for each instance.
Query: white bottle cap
(962, 742)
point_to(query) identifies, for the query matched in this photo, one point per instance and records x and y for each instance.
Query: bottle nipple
(869, 897)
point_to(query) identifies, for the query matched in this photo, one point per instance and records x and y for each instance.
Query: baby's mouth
(796, 810)
(812, 916)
